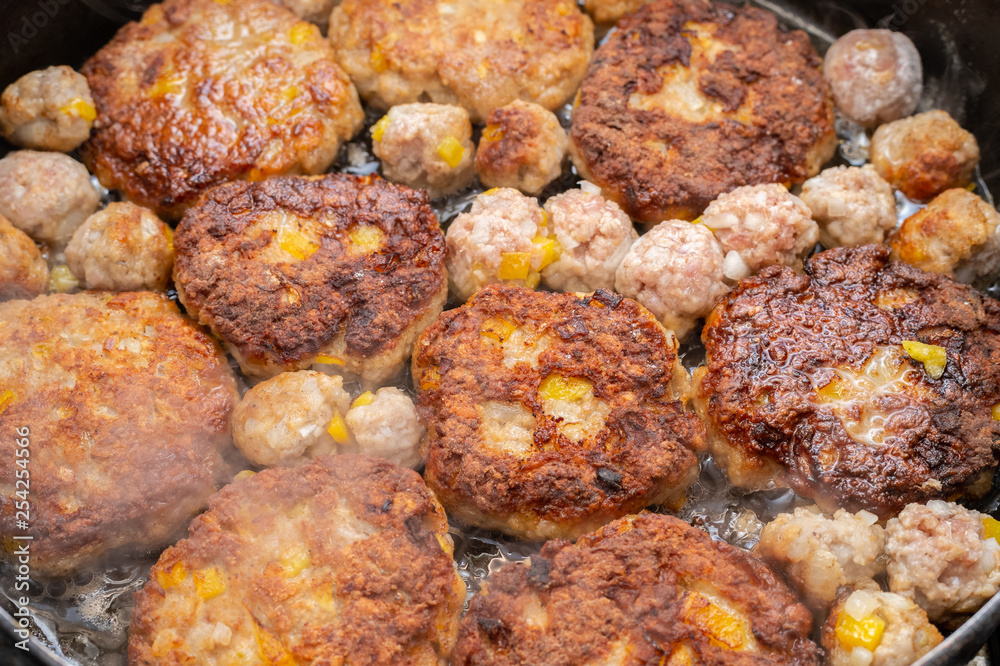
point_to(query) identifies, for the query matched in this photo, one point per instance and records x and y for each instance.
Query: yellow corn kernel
(209, 582)
(245, 474)
(532, 280)
(300, 33)
(971, 187)
(492, 133)
(289, 94)
(171, 83)
(6, 398)
(366, 239)
(835, 390)
(483, 69)
(515, 265)
(933, 357)
(445, 544)
(996, 412)
(431, 379)
(866, 633)
(490, 192)
(296, 244)
(256, 175)
(563, 9)
(169, 233)
(549, 249)
(545, 218)
(723, 628)
(338, 429)
(379, 63)
(557, 387)
(271, 650)
(696, 220)
(294, 560)
(172, 578)
(496, 329)
(991, 528)
(62, 280)
(326, 359)
(365, 398)
(80, 108)
(682, 655)
(378, 129)
(451, 151)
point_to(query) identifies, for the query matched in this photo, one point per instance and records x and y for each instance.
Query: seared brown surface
(340, 560)
(276, 310)
(796, 362)
(625, 595)
(641, 452)
(689, 99)
(202, 92)
(127, 406)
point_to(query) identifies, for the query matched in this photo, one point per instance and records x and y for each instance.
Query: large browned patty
(806, 383)
(201, 92)
(291, 268)
(646, 589)
(506, 450)
(689, 99)
(341, 560)
(127, 405)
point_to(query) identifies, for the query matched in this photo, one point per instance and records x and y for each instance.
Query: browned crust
(776, 72)
(627, 582)
(371, 299)
(398, 593)
(523, 139)
(648, 443)
(771, 333)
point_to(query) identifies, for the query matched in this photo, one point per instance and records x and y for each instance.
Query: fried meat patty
(688, 99)
(646, 589)
(127, 406)
(341, 560)
(550, 414)
(201, 92)
(865, 384)
(333, 269)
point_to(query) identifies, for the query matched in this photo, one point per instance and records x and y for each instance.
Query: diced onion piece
(933, 357)
(365, 398)
(172, 578)
(867, 517)
(866, 633)
(338, 429)
(327, 359)
(222, 634)
(860, 604)
(209, 582)
(378, 129)
(589, 187)
(492, 133)
(496, 329)
(80, 108)
(515, 265)
(295, 244)
(733, 266)
(991, 527)
(6, 398)
(558, 387)
(451, 151)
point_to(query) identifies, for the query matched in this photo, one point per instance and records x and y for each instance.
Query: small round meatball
(287, 419)
(820, 553)
(593, 236)
(122, 248)
(46, 195)
(852, 205)
(939, 558)
(924, 155)
(875, 75)
(387, 427)
(23, 271)
(48, 109)
(764, 224)
(495, 242)
(676, 270)
(906, 634)
(523, 146)
(956, 234)
(426, 146)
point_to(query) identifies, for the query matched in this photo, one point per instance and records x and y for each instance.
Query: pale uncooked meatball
(426, 146)
(924, 155)
(906, 633)
(48, 109)
(387, 427)
(23, 271)
(314, 11)
(821, 553)
(763, 224)
(122, 248)
(939, 558)
(876, 76)
(677, 271)
(522, 146)
(957, 234)
(593, 234)
(503, 238)
(852, 205)
(46, 195)
(288, 419)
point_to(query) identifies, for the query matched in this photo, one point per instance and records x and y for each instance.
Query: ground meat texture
(688, 99)
(646, 589)
(23, 271)
(821, 553)
(957, 234)
(128, 405)
(522, 146)
(924, 155)
(45, 195)
(938, 557)
(594, 236)
(496, 242)
(426, 146)
(852, 205)
(479, 54)
(388, 428)
(865, 384)
(314, 11)
(677, 270)
(876, 76)
(549, 415)
(764, 225)
(201, 92)
(122, 248)
(338, 270)
(343, 559)
(284, 420)
(48, 109)
(906, 636)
